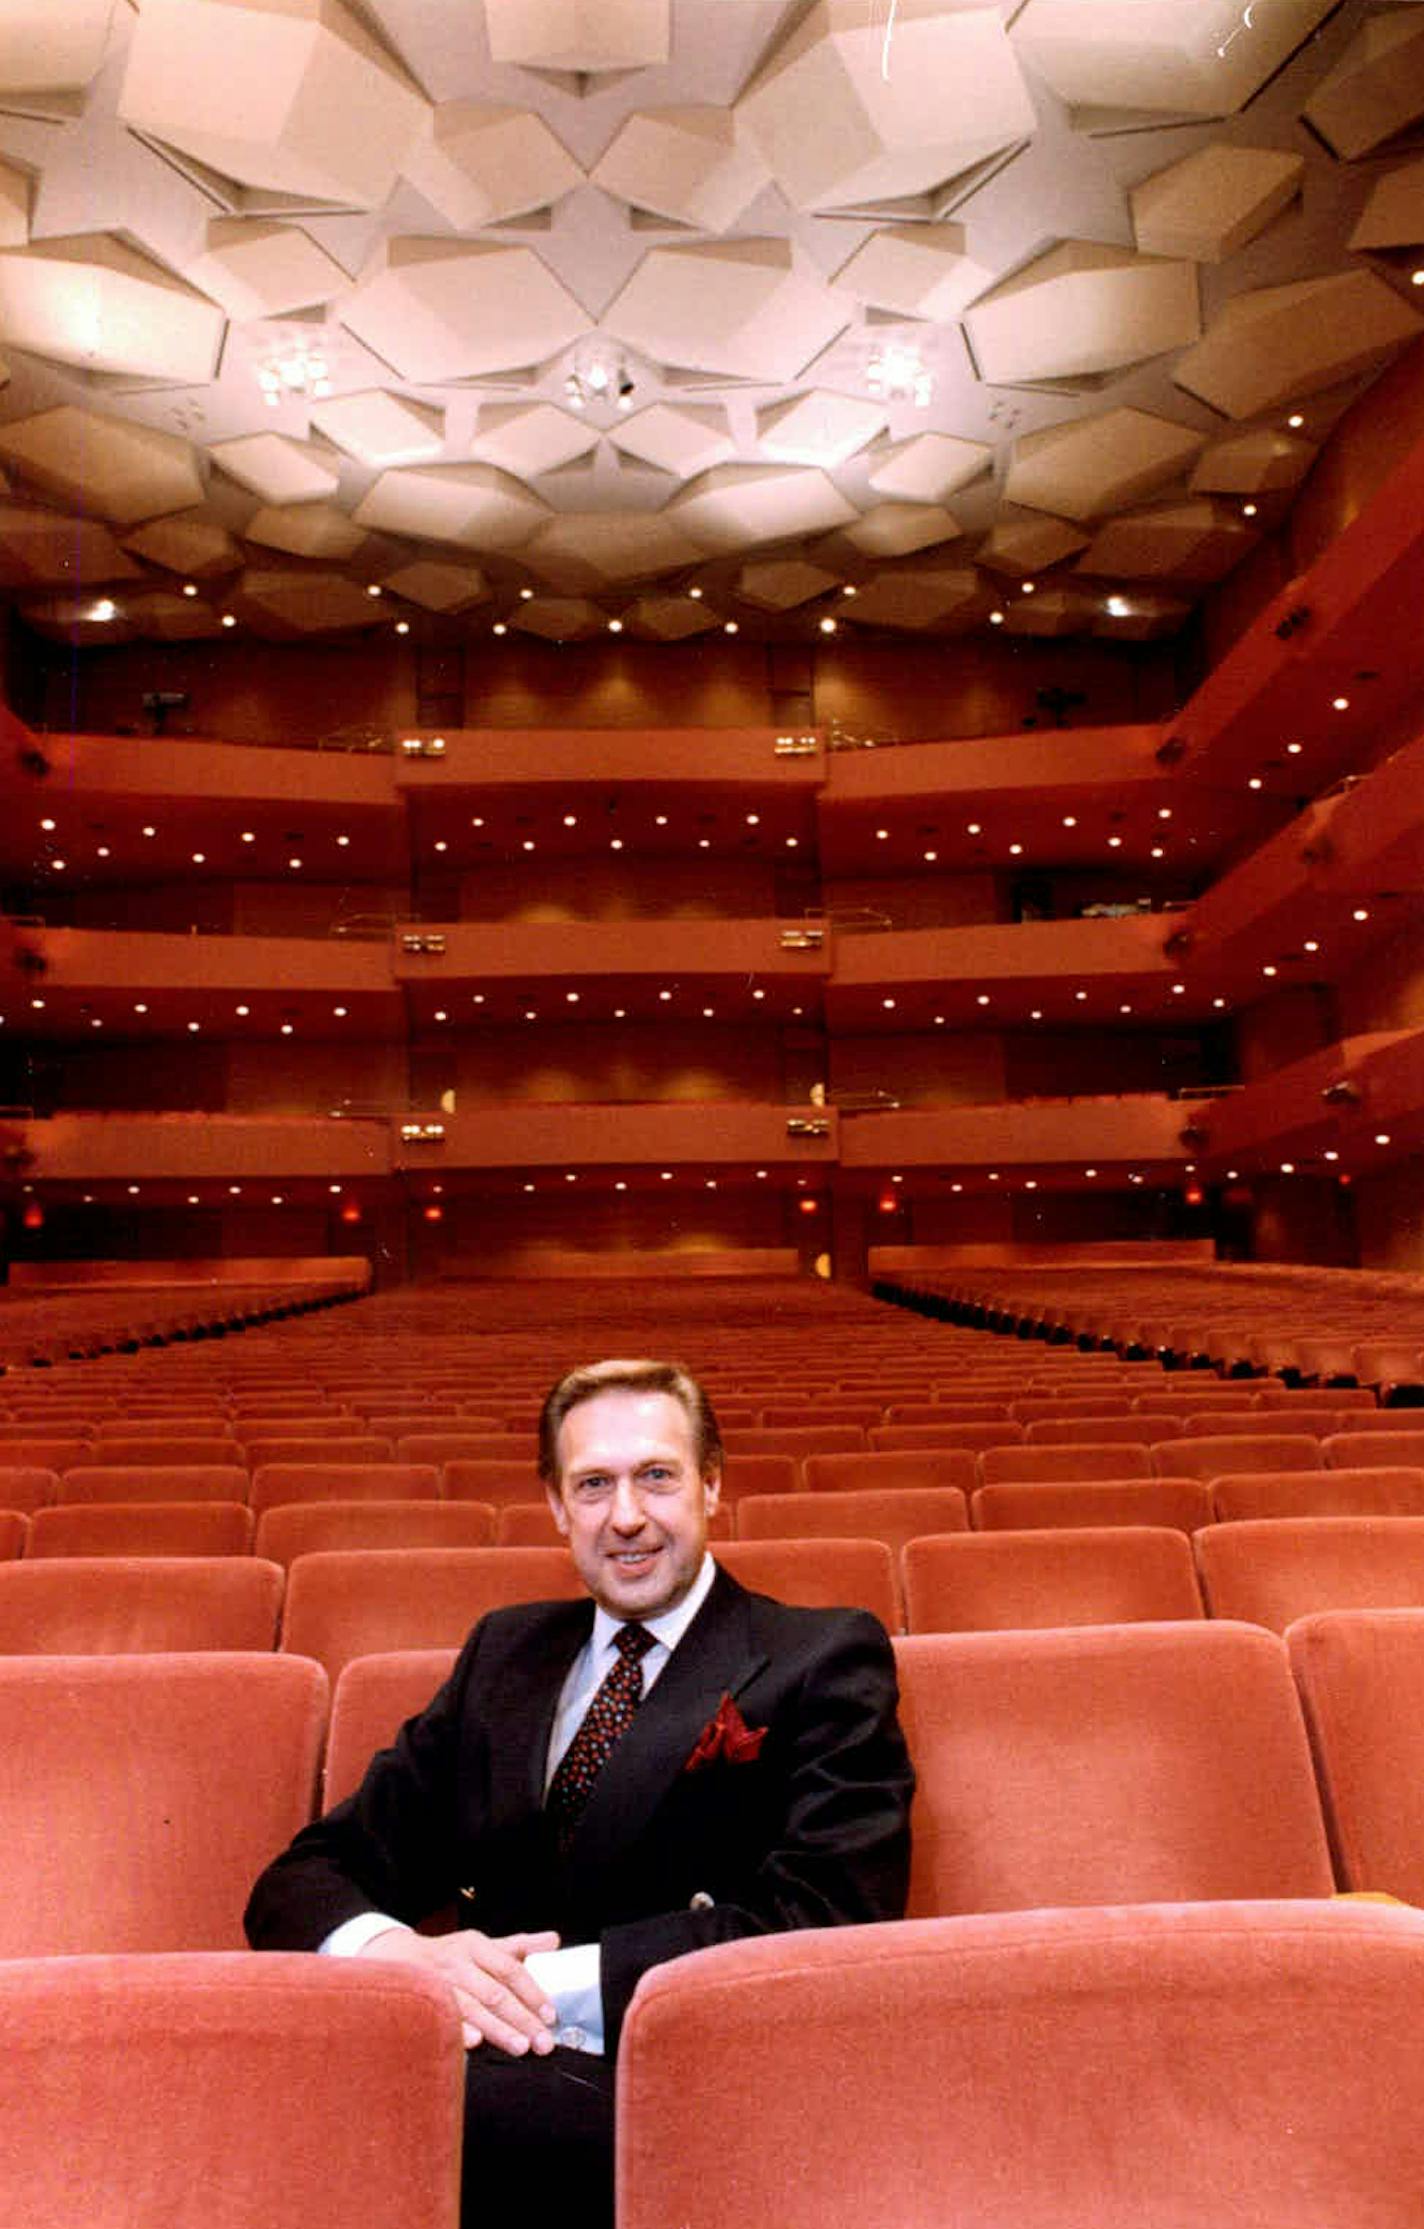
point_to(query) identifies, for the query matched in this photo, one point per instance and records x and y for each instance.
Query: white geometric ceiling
(609, 299)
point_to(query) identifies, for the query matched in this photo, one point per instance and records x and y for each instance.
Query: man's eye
(658, 1474)
(597, 1484)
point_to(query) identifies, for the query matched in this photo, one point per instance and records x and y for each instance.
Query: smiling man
(603, 1785)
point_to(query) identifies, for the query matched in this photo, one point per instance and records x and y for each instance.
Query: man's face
(631, 1500)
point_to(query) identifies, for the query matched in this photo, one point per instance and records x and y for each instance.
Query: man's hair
(620, 1376)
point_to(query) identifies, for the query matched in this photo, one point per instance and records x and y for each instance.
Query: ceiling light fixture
(896, 372)
(599, 374)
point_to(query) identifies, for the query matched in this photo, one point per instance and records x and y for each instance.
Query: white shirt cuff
(354, 1934)
(573, 1982)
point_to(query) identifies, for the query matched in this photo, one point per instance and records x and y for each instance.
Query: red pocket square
(728, 1735)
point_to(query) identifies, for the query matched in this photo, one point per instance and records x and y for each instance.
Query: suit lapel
(521, 1707)
(717, 1656)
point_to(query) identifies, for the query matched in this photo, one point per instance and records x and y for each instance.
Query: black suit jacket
(814, 1832)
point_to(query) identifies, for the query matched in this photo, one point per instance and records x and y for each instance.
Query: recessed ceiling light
(1296, 420)
(1179, 990)
(1114, 843)
(1268, 969)
(441, 1015)
(974, 828)
(615, 626)
(660, 820)
(1255, 782)
(286, 1029)
(1287, 1168)
(1157, 852)
(1361, 913)
(440, 844)
(1219, 1003)
(983, 999)
(101, 851)
(402, 626)
(729, 627)
(1090, 1172)
(1340, 704)
(704, 843)
(189, 588)
(148, 831)
(193, 1028)
(249, 836)
(1330, 1154)
(664, 995)
(477, 822)
(342, 842)
(1027, 586)
(1382, 1137)
(996, 618)
(37, 1005)
(1080, 995)
(620, 1186)
(1164, 812)
(1248, 510)
(59, 865)
(1016, 851)
(792, 842)
(228, 619)
(827, 625)
(241, 1011)
(930, 858)
(526, 595)
(1124, 1010)
(295, 865)
(1311, 944)
(499, 628)
(1295, 749)
(758, 994)
(1070, 820)
(529, 843)
(141, 1008)
(882, 835)
(888, 1004)
(339, 1012)
(666, 1175)
(95, 1023)
(695, 594)
(708, 1012)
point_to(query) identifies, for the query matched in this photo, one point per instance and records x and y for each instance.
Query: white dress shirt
(570, 1978)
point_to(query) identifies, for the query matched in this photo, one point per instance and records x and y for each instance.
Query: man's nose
(627, 1511)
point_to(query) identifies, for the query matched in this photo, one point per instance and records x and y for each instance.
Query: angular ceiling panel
(316, 530)
(1093, 465)
(381, 429)
(454, 309)
(818, 428)
(1257, 463)
(1214, 201)
(526, 438)
(1272, 347)
(1378, 89)
(737, 307)
(124, 472)
(42, 548)
(1393, 217)
(591, 549)
(1193, 543)
(306, 603)
(1158, 57)
(194, 547)
(1080, 310)
(1023, 546)
(929, 466)
(670, 618)
(895, 529)
(438, 587)
(781, 584)
(916, 270)
(51, 49)
(676, 439)
(470, 504)
(559, 618)
(1052, 611)
(277, 468)
(98, 303)
(845, 114)
(291, 96)
(15, 196)
(165, 617)
(739, 504)
(918, 599)
(256, 268)
(478, 163)
(688, 164)
(583, 35)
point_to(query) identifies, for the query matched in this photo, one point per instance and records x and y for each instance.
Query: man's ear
(712, 1488)
(556, 1504)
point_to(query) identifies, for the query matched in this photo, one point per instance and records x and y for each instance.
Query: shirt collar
(669, 1625)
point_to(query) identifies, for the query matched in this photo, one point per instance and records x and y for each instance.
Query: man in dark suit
(602, 1785)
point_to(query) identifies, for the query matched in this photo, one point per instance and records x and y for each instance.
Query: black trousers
(541, 2125)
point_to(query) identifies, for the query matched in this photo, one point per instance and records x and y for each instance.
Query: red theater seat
(1361, 1680)
(371, 1701)
(365, 1601)
(114, 1605)
(819, 1574)
(304, 1528)
(1183, 1503)
(1107, 1765)
(1328, 1493)
(164, 1528)
(26, 1488)
(796, 1441)
(893, 1514)
(467, 1479)
(1374, 1450)
(892, 1470)
(275, 1483)
(1084, 1575)
(242, 2090)
(1057, 1465)
(1217, 1456)
(1283, 1568)
(143, 1794)
(908, 1438)
(14, 1531)
(1124, 2069)
(1101, 1431)
(157, 1482)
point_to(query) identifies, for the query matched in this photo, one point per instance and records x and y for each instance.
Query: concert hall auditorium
(739, 681)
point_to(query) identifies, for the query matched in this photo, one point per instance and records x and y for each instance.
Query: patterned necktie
(606, 1720)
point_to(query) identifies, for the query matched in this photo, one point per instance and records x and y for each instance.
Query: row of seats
(286, 1529)
(38, 1330)
(334, 1605)
(1167, 1762)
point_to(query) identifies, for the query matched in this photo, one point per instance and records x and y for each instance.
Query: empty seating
(1214, 1455)
(1101, 1431)
(371, 1701)
(1181, 1502)
(819, 1574)
(26, 1488)
(1047, 2070)
(472, 1479)
(797, 1440)
(1327, 1493)
(1281, 1568)
(111, 1605)
(163, 1528)
(155, 1482)
(1107, 1765)
(1040, 1465)
(274, 1483)
(1084, 1575)
(14, 1530)
(893, 1514)
(904, 1438)
(1361, 1680)
(895, 1469)
(352, 1452)
(160, 1447)
(1373, 1449)
(464, 1446)
(254, 2093)
(299, 1528)
(362, 1601)
(143, 1794)
(759, 1474)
